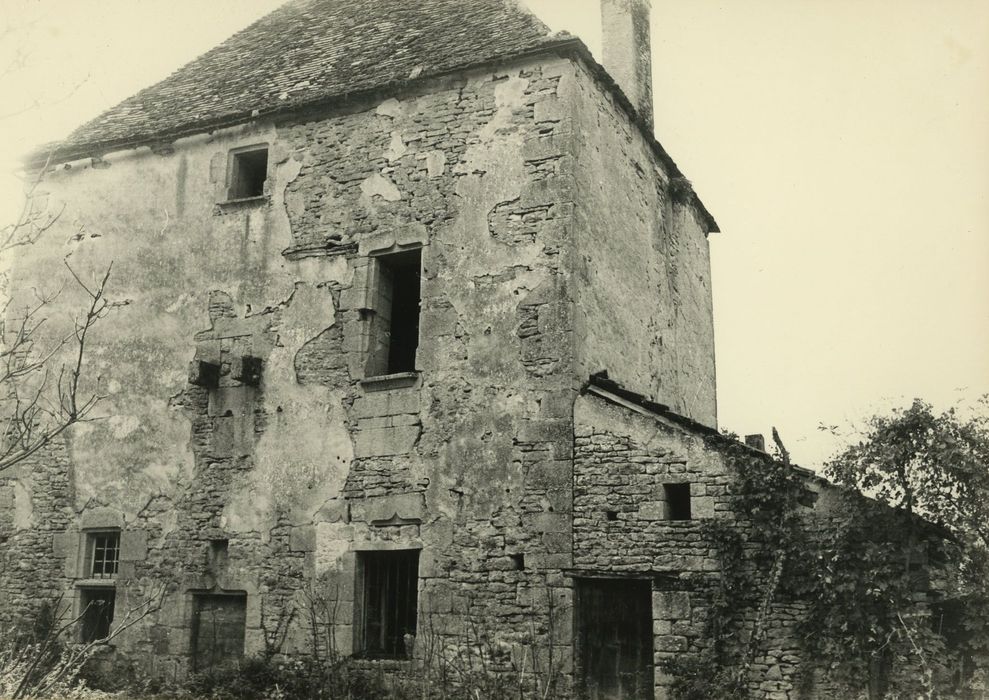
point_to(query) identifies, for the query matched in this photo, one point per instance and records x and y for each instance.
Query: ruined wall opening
(389, 585)
(218, 627)
(248, 171)
(614, 644)
(677, 501)
(396, 301)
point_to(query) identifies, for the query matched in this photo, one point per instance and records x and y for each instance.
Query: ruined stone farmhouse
(415, 337)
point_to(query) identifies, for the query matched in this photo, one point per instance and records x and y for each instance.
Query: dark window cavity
(677, 501)
(96, 606)
(248, 171)
(105, 554)
(389, 602)
(395, 321)
(218, 624)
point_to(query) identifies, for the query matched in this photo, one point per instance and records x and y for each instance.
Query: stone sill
(96, 583)
(384, 382)
(244, 202)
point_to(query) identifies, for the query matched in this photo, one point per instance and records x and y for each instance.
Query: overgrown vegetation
(42, 661)
(887, 580)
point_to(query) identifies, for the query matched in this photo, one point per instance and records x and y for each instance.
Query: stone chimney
(627, 51)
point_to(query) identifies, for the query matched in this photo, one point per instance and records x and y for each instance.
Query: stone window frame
(376, 372)
(92, 550)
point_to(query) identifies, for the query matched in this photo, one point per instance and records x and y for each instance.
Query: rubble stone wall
(621, 461)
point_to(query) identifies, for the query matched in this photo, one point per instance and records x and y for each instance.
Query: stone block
(551, 522)
(702, 507)
(302, 539)
(557, 542)
(554, 146)
(549, 191)
(386, 403)
(133, 545)
(64, 543)
(655, 510)
(94, 518)
(671, 605)
(385, 442)
(408, 506)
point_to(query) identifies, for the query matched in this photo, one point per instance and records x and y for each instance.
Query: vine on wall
(858, 567)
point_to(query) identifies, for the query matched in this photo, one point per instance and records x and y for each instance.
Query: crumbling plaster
(470, 462)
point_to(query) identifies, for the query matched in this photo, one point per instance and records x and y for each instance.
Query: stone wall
(622, 457)
(247, 445)
(642, 264)
(271, 477)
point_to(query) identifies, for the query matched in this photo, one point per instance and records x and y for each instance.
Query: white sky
(842, 145)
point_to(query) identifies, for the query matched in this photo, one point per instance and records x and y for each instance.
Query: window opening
(395, 326)
(390, 583)
(97, 612)
(518, 561)
(611, 515)
(106, 554)
(248, 171)
(677, 501)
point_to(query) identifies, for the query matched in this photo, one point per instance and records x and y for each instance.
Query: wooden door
(614, 639)
(218, 624)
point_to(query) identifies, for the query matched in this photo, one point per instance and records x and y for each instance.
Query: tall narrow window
(395, 323)
(96, 606)
(105, 554)
(248, 171)
(389, 602)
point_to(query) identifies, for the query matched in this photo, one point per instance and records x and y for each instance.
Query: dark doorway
(614, 639)
(390, 601)
(97, 612)
(218, 623)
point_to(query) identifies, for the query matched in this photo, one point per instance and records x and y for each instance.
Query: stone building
(392, 271)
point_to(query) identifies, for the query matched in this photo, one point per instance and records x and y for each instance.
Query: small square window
(248, 172)
(677, 501)
(395, 322)
(104, 554)
(96, 612)
(390, 585)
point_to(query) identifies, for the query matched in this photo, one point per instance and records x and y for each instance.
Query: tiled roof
(311, 50)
